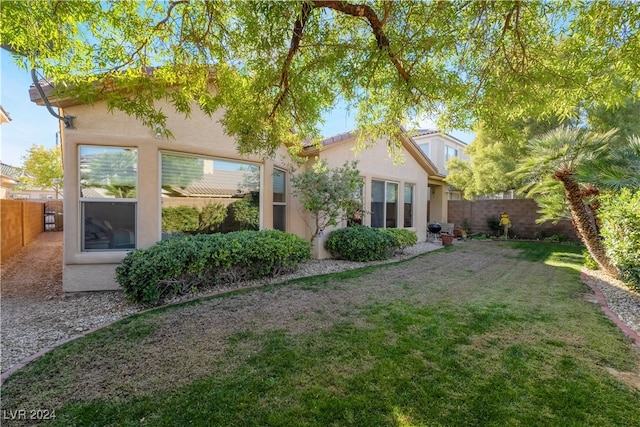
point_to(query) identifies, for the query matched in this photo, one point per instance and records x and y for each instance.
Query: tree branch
(356, 10)
(298, 29)
(365, 11)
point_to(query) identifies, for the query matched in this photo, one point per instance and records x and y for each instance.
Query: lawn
(482, 334)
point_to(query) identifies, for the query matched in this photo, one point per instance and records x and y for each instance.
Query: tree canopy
(42, 167)
(493, 155)
(277, 67)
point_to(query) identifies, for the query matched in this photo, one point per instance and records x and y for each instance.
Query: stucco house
(440, 148)
(394, 195)
(9, 178)
(4, 116)
(123, 184)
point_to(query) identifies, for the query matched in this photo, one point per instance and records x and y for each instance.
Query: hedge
(183, 264)
(361, 243)
(619, 214)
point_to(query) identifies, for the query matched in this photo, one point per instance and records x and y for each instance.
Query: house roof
(425, 132)
(10, 171)
(48, 89)
(4, 116)
(222, 183)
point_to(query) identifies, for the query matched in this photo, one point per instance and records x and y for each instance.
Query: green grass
(503, 340)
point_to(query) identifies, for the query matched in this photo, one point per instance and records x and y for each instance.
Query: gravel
(622, 301)
(31, 325)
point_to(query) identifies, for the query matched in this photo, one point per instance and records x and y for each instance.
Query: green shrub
(589, 262)
(183, 264)
(360, 243)
(619, 214)
(403, 238)
(557, 238)
(180, 219)
(211, 216)
(494, 224)
(245, 214)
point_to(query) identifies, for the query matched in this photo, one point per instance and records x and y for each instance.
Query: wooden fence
(20, 223)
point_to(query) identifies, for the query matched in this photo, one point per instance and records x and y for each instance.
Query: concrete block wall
(20, 223)
(522, 212)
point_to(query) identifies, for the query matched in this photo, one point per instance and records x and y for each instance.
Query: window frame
(448, 156)
(205, 157)
(385, 202)
(284, 197)
(413, 204)
(82, 201)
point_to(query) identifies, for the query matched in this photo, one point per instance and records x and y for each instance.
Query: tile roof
(422, 132)
(338, 138)
(221, 183)
(11, 171)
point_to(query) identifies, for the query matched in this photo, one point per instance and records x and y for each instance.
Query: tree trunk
(584, 226)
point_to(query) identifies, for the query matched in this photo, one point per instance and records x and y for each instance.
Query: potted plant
(447, 239)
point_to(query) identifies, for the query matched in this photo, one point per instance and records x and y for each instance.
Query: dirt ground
(34, 272)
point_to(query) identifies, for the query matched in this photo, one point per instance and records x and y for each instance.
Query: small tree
(42, 166)
(328, 193)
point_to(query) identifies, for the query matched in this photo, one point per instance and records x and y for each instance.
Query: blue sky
(32, 124)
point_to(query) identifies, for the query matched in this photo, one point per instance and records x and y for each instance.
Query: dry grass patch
(475, 335)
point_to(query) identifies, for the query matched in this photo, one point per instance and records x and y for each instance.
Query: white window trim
(82, 200)
(286, 192)
(384, 219)
(413, 204)
(206, 157)
(446, 154)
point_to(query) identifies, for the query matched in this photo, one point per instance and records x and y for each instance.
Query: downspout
(68, 120)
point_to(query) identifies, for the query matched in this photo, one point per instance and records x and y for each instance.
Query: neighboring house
(440, 148)
(9, 174)
(36, 194)
(4, 116)
(9, 178)
(122, 184)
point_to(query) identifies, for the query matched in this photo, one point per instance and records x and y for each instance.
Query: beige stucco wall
(199, 135)
(202, 136)
(437, 143)
(375, 163)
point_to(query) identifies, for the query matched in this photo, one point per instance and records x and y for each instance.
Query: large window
(204, 195)
(449, 153)
(279, 200)
(108, 188)
(408, 205)
(384, 204)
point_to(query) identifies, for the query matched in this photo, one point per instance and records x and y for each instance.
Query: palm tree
(618, 169)
(568, 155)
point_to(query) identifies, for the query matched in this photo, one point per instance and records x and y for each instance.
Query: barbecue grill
(434, 231)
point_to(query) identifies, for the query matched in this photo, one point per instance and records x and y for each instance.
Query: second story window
(449, 153)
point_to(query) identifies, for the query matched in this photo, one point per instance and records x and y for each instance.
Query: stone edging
(605, 308)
